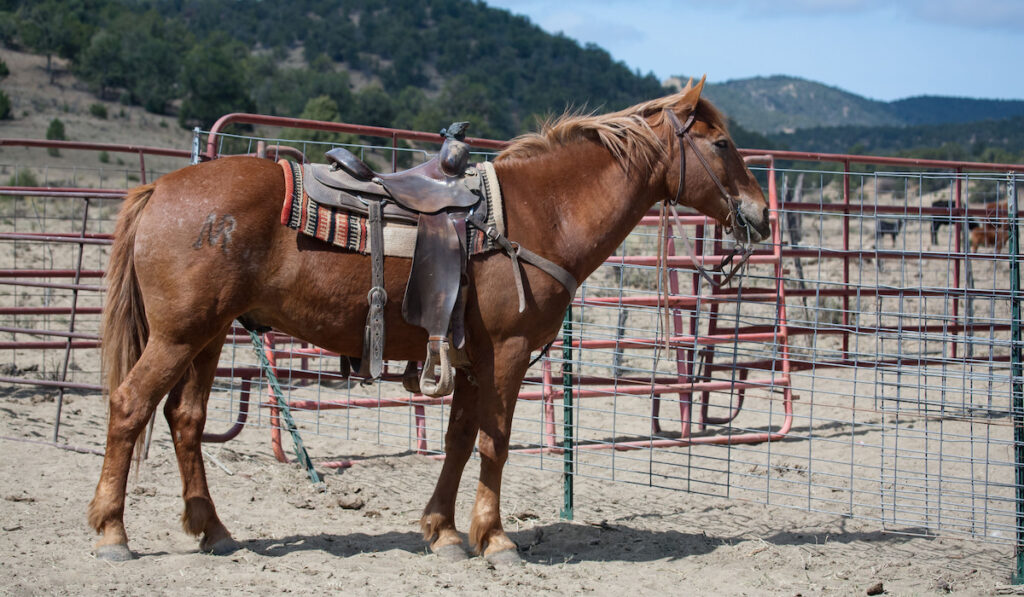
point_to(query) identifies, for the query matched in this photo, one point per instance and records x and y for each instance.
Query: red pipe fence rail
(897, 350)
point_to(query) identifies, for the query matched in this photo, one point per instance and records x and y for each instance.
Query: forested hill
(404, 63)
(950, 110)
(794, 113)
(783, 104)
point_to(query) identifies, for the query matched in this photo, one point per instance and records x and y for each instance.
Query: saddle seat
(431, 187)
(425, 188)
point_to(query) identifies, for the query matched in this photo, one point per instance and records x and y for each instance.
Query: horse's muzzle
(750, 223)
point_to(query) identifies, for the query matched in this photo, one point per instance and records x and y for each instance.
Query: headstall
(682, 132)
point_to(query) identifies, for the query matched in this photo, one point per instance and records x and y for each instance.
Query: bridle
(682, 133)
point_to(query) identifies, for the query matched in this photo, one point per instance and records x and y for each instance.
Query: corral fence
(866, 363)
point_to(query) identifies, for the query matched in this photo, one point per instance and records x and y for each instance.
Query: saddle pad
(350, 231)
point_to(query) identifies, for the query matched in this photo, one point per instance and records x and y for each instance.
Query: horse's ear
(691, 95)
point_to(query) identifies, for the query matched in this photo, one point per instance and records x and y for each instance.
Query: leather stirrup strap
(372, 364)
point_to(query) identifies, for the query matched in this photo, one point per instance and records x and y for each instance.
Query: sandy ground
(361, 534)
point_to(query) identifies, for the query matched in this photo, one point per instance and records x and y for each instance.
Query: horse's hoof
(114, 553)
(222, 547)
(505, 557)
(451, 553)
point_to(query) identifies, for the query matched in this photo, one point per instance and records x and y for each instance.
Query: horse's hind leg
(438, 521)
(185, 411)
(131, 406)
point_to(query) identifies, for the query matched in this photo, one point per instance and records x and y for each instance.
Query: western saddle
(441, 196)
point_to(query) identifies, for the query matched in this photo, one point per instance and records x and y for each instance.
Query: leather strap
(681, 130)
(515, 251)
(550, 268)
(718, 269)
(372, 363)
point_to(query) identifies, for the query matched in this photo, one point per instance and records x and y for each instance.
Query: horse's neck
(574, 206)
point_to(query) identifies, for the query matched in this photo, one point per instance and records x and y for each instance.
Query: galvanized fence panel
(871, 342)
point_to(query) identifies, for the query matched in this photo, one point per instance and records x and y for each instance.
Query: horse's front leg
(438, 521)
(499, 375)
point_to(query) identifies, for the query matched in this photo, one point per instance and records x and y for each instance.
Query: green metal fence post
(568, 463)
(1016, 373)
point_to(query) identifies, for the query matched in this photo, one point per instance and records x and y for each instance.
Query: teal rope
(568, 435)
(286, 413)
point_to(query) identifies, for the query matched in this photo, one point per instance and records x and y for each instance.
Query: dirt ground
(361, 535)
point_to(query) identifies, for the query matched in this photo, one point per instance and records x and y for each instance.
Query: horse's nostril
(764, 228)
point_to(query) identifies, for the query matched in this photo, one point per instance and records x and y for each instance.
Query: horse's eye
(722, 144)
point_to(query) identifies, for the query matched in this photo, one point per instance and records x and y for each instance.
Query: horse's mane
(627, 134)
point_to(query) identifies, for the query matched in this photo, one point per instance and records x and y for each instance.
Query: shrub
(98, 110)
(5, 106)
(4, 71)
(55, 132)
(104, 157)
(23, 178)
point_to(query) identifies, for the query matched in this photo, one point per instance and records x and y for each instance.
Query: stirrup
(437, 355)
(410, 378)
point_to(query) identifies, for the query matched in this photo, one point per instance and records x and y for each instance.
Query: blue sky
(881, 49)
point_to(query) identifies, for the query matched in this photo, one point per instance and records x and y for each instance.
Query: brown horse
(991, 230)
(572, 194)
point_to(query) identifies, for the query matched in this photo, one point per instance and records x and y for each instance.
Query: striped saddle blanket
(350, 230)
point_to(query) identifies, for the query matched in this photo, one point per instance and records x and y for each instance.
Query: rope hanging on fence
(286, 413)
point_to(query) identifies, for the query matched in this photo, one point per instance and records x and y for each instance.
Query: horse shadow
(340, 545)
(566, 542)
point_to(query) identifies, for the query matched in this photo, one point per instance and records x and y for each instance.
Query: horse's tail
(124, 330)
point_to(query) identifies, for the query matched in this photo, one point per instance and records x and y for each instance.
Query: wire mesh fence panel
(860, 364)
(53, 254)
(56, 220)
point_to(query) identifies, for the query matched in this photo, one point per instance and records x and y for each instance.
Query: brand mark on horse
(216, 230)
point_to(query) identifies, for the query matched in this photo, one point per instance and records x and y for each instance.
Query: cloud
(977, 14)
(588, 26)
(1007, 15)
(796, 7)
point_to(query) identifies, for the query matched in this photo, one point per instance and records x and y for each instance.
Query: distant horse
(887, 228)
(940, 220)
(992, 229)
(572, 194)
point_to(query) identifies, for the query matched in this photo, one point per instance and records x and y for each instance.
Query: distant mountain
(986, 140)
(931, 109)
(779, 103)
(783, 104)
